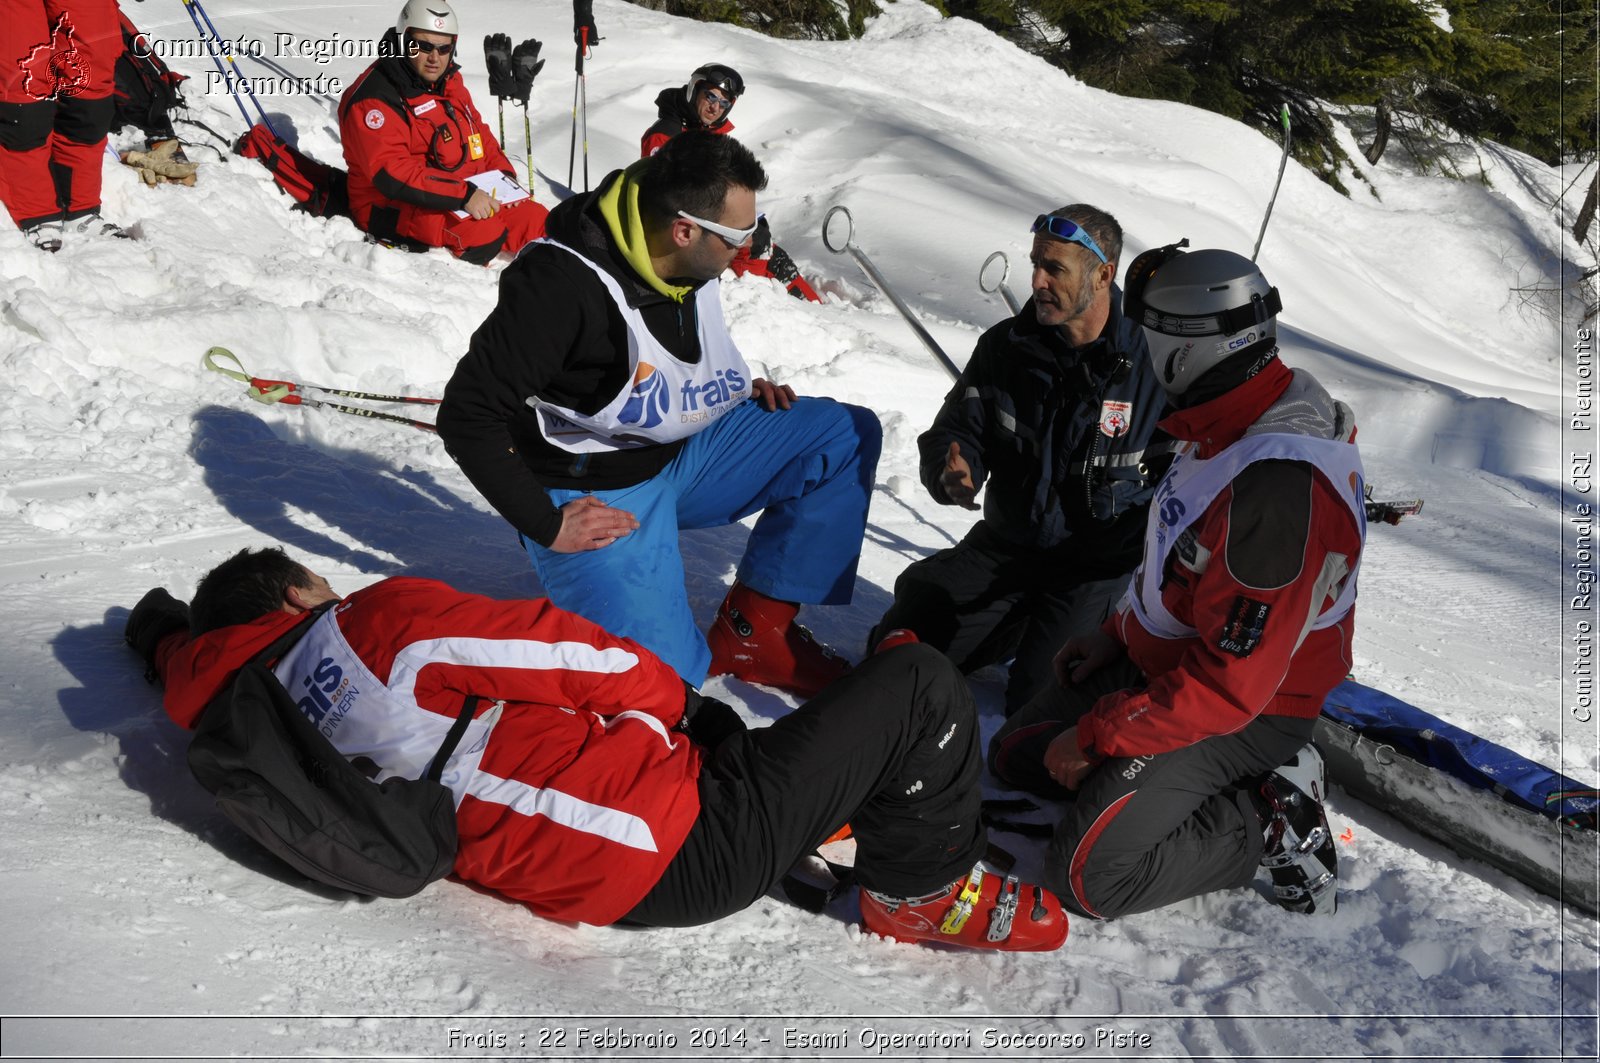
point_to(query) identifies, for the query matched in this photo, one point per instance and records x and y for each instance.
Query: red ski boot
(755, 638)
(981, 911)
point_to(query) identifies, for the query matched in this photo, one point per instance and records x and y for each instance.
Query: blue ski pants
(808, 470)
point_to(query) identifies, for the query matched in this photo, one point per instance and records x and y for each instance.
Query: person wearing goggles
(1054, 418)
(602, 407)
(412, 140)
(1182, 727)
(703, 103)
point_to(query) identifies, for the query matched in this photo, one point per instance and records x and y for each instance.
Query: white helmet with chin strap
(1198, 309)
(429, 16)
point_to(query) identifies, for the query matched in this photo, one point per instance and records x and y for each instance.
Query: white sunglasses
(731, 237)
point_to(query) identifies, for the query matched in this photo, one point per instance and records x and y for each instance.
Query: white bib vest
(1190, 486)
(364, 718)
(665, 400)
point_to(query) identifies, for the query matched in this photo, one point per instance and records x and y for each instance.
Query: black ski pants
(984, 599)
(1144, 832)
(892, 749)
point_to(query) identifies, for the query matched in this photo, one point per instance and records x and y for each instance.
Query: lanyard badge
(475, 145)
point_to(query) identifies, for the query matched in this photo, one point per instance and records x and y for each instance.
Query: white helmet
(429, 16)
(1197, 309)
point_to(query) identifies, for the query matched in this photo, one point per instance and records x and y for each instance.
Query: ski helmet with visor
(1198, 309)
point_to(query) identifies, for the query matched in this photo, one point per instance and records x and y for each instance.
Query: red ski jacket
(1251, 576)
(584, 792)
(406, 141)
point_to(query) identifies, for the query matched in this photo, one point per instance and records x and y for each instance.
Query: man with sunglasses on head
(1055, 414)
(412, 138)
(1179, 733)
(602, 407)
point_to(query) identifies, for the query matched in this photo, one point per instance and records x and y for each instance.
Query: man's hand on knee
(589, 524)
(771, 396)
(1083, 655)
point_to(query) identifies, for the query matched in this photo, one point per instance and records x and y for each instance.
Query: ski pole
(577, 85)
(1283, 160)
(883, 285)
(1000, 285)
(584, 81)
(527, 144)
(268, 391)
(213, 47)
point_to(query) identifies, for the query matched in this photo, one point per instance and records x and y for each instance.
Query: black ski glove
(583, 19)
(708, 721)
(157, 615)
(497, 60)
(525, 66)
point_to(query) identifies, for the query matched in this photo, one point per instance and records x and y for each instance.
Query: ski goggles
(1225, 322)
(732, 237)
(1068, 230)
(717, 100)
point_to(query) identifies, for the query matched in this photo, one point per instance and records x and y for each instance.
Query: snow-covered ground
(127, 466)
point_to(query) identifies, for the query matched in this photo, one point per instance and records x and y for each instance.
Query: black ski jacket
(556, 334)
(1065, 438)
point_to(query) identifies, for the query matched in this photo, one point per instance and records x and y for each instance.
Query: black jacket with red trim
(408, 141)
(674, 115)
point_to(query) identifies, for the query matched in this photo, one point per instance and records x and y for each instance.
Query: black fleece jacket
(556, 334)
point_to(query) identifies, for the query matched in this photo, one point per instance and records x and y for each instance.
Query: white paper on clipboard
(503, 188)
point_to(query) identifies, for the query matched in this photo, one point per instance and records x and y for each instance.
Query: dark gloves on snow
(708, 721)
(157, 615)
(497, 61)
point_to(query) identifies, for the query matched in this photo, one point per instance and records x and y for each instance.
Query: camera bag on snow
(284, 784)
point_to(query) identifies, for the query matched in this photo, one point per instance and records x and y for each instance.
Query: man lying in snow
(594, 784)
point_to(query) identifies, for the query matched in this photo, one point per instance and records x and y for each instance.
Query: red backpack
(316, 188)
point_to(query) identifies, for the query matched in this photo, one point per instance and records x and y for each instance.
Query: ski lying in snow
(1391, 512)
(1480, 799)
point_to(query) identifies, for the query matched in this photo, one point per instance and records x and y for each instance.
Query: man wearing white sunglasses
(602, 407)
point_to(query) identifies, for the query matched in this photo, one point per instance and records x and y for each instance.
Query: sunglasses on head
(428, 47)
(1068, 230)
(731, 237)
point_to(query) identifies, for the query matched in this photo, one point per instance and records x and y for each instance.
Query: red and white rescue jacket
(573, 792)
(1249, 607)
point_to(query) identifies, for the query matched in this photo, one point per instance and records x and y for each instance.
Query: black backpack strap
(453, 739)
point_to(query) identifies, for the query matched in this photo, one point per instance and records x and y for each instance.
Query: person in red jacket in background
(595, 785)
(704, 103)
(412, 137)
(1180, 732)
(56, 62)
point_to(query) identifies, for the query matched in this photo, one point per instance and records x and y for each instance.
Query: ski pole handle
(1000, 285)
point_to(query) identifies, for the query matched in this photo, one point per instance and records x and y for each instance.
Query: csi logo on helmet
(1242, 341)
(647, 404)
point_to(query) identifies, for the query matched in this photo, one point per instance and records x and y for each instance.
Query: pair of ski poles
(213, 44)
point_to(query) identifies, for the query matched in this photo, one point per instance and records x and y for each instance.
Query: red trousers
(469, 238)
(56, 58)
